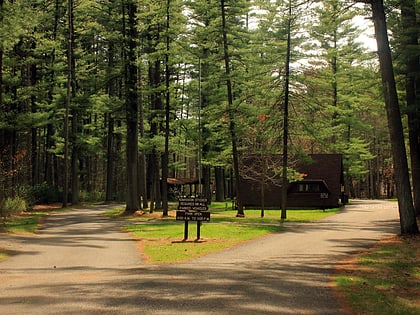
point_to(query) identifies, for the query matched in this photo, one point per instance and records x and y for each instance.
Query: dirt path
(78, 239)
(82, 264)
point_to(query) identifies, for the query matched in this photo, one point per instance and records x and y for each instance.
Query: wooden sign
(192, 216)
(192, 204)
(192, 209)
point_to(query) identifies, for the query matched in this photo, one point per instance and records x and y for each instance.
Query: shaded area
(271, 288)
(83, 264)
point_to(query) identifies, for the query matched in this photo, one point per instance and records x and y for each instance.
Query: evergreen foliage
(335, 96)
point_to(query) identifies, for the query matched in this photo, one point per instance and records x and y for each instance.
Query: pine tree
(408, 221)
(339, 66)
(132, 203)
(410, 53)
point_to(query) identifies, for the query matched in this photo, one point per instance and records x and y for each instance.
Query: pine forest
(109, 100)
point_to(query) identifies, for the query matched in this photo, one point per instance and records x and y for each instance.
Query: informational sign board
(192, 216)
(192, 204)
(192, 209)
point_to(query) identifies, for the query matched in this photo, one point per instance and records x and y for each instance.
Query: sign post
(192, 209)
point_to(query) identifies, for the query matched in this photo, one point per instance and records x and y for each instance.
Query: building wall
(326, 167)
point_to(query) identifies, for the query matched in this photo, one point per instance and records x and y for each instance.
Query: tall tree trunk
(110, 185)
(285, 183)
(35, 178)
(219, 174)
(232, 127)
(1, 59)
(155, 129)
(263, 183)
(410, 42)
(50, 167)
(155, 196)
(68, 100)
(408, 221)
(75, 154)
(110, 166)
(49, 157)
(75, 149)
(334, 75)
(206, 183)
(165, 156)
(131, 112)
(142, 156)
(2, 181)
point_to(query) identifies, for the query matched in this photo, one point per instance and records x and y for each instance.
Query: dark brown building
(321, 186)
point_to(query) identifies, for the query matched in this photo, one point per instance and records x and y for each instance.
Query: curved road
(81, 263)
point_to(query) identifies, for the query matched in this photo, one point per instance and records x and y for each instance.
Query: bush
(92, 196)
(43, 194)
(12, 206)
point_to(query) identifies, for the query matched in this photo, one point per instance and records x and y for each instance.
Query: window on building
(308, 187)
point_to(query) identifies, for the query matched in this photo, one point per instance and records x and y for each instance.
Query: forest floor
(82, 263)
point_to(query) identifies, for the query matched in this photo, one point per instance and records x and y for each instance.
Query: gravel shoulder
(82, 263)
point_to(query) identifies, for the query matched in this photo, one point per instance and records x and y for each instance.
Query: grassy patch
(3, 255)
(161, 238)
(383, 280)
(26, 223)
(221, 213)
(272, 216)
(162, 243)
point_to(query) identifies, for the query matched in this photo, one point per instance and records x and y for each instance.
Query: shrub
(92, 196)
(43, 193)
(12, 206)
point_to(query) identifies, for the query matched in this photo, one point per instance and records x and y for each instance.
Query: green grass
(384, 280)
(3, 255)
(163, 243)
(272, 216)
(160, 238)
(26, 223)
(219, 213)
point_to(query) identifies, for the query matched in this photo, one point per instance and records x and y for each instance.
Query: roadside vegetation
(25, 223)
(161, 238)
(383, 280)
(163, 243)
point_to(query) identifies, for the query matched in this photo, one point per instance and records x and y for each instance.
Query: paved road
(82, 264)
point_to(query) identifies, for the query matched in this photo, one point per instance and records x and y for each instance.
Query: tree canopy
(107, 99)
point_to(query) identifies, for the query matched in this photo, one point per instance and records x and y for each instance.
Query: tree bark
(142, 155)
(70, 41)
(110, 166)
(155, 128)
(132, 203)
(165, 156)
(2, 181)
(110, 186)
(219, 174)
(34, 131)
(206, 183)
(408, 221)
(75, 148)
(285, 183)
(232, 126)
(1, 59)
(410, 42)
(74, 156)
